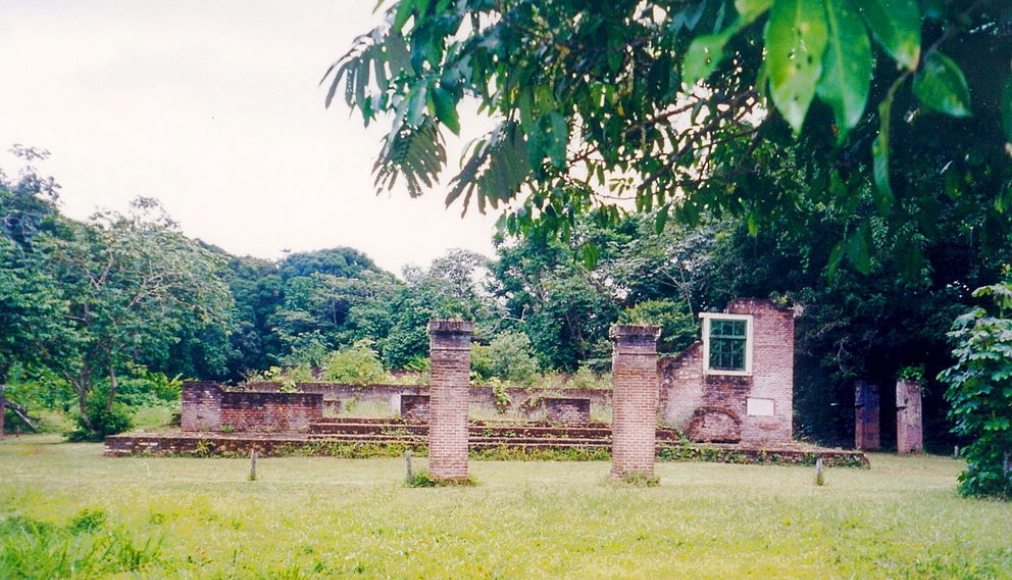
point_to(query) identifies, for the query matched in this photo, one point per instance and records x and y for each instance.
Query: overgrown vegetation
(980, 391)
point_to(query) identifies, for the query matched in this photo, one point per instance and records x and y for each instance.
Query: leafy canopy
(660, 105)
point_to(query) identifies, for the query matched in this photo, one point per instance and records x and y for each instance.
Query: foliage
(86, 546)
(507, 357)
(912, 373)
(980, 392)
(423, 479)
(679, 329)
(598, 107)
(356, 365)
(101, 421)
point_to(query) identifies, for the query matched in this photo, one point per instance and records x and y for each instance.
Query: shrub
(679, 328)
(508, 357)
(356, 365)
(104, 421)
(980, 392)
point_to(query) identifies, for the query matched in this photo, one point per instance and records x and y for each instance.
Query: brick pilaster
(866, 416)
(909, 421)
(634, 400)
(450, 352)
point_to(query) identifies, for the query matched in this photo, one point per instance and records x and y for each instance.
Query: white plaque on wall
(760, 407)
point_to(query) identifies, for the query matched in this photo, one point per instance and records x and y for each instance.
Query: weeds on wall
(423, 479)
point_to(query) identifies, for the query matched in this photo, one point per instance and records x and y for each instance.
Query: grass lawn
(67, 511)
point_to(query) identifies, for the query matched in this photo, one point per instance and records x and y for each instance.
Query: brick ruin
(634, 404)
(209, 407)
(867, 405)
(909, 419)
(450, 353)
(736, 385)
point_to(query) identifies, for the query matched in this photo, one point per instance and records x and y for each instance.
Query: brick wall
(415, 407)
(715, 407)
(867, 435)
(909, 422)
(270, 412)
(772, 371)
(635, 385)
(450, 353)
(201, 406)
(479, 395)
(567, 411)
(208, 407)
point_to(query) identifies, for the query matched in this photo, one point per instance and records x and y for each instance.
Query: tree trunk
(112, 388)
(82, 401)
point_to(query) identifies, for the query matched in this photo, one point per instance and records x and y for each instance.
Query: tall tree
(130, 281)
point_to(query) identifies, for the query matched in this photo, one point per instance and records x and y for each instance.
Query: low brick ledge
(237, 444)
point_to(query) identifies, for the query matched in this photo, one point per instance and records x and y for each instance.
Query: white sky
(214, 108)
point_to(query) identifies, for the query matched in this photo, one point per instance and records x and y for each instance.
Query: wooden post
(3, 408)
(253, 465)
(820, 477)
(407, 463)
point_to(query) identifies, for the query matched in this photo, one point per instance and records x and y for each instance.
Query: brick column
(866, 416)
(634, 400)
(909, 425)
(450, 352)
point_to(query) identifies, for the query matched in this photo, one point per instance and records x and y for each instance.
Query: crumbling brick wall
(201, 406)
(271, 412)
(209, 407)
(567, 410)
(756, 408)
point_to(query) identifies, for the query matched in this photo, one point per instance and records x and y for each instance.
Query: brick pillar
(909, 426)
(866, 416)
(634, 400)
(450, 352)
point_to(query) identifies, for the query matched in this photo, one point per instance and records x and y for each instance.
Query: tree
(980, 390)
(30, 307)
(130, 283)
(666, 103)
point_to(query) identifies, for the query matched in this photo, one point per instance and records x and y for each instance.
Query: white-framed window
(727, 344)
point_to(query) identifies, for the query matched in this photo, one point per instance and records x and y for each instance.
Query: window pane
(727, 344)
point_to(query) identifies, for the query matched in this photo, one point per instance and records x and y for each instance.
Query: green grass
(67, 511)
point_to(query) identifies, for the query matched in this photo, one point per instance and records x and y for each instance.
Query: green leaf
(880, 152)
(559, 138)
(940, 85)
(446, 110)
(662, 217)
(1006, 109)
(751, 9)
(703, 56)
(859, 249)
(847, 66)
(404, 10)
(896, 25)
(795, 41)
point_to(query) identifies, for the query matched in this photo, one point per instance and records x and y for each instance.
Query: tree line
(117, 308)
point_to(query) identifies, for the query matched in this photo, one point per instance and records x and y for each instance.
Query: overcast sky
(214, 108)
